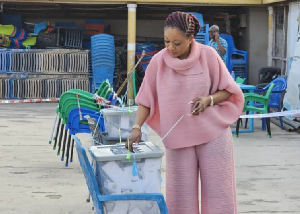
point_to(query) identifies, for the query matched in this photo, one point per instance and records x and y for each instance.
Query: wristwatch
(136, 127)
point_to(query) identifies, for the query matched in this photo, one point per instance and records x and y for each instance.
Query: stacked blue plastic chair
(76, 116)
(199, 16)
(75, 108)
(202, 35)
(98, 198)
(237, 60)
(103, 58)
(149, 49)
(77, 123)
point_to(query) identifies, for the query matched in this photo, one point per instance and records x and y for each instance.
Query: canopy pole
(131, 37)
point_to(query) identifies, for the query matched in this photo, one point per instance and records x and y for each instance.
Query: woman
(189, 79)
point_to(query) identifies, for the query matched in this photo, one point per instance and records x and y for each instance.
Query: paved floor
(33, 180)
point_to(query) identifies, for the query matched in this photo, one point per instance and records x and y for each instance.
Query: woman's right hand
(134, 137)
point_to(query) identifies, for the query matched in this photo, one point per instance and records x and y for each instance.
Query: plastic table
(250, 89)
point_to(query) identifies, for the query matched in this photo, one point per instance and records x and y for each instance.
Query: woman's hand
(134, 137)
(200, 103)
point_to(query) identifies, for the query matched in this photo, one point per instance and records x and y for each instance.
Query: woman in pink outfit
(189, 80)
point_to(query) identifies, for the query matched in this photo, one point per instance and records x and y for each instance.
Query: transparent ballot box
(121, 120)
(118, 175)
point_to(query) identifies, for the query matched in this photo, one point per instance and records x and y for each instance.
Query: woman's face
(177, 43)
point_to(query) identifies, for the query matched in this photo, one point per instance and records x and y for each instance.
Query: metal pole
(285, 126)
(270, 42)
(131, 49)
(284, 29)
(274, 41)
(292, 123)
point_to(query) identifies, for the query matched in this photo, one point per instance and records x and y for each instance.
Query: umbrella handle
(130, 73)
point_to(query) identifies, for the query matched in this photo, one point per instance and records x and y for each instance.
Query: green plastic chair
(104, 89)
(68, 101)
(69, 105)
(239, 80)
(264, 100)
(30, 41)
(105, 85)
(101, 90)
(7, 30)
(71, 96)
(108, 92)
(83, 95)
(64, 115)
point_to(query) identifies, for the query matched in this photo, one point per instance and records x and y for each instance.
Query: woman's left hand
(200, 103)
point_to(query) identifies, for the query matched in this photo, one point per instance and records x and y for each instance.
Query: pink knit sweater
(170, 84)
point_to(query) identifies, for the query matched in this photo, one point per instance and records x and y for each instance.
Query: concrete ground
(33, 180)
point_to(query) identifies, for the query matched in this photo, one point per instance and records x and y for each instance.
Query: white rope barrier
(274, 114)
(29, 101)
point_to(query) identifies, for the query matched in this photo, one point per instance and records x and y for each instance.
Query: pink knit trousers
(214, 160)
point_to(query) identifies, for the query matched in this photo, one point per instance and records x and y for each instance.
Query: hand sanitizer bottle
(233, 74)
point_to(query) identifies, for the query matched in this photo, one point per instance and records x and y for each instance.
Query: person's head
(180, 30)
(212, 31)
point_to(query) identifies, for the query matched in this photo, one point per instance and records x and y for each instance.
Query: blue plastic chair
(275, 97)
(75, 124)
(199, 16)
(94, 189)
(103, 58)
(232, 53)
(102, 73)
(40, 26)
(103, 36)
(203, 35)
(202, 38)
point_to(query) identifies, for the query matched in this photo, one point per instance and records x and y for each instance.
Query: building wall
(144, 28)
(257, 41)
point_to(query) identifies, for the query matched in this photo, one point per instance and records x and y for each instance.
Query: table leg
(251, 120)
